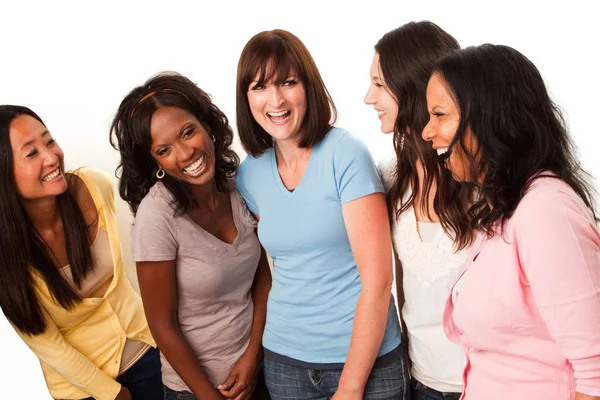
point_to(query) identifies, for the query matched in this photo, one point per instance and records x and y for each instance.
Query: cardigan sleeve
(559, 249)
(51, 348)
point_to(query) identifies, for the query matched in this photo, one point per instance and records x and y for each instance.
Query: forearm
(181, 356)
(367, 334)
(260, 293)
(581, 396)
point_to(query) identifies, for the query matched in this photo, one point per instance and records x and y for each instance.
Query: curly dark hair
(407, 56)
(520, 131)
(130, 135)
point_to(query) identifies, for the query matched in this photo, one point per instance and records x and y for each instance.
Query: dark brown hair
(520, 132)
(24, 251)
(407, 57)
(130, 134)
(273, 56)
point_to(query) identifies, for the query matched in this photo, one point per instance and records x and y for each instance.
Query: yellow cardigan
(80, 350)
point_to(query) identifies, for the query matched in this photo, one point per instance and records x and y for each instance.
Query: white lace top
(430, 267)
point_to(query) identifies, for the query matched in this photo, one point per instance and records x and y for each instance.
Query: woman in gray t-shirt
(203, 276)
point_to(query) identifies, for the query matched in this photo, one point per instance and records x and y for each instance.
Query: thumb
(228, 383)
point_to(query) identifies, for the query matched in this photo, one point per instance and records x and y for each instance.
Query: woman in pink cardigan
(526, 307)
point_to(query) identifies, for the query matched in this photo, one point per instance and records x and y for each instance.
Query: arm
(368, 228)
(559, 246)
(158, 287)
(241, 380)
(52, 349)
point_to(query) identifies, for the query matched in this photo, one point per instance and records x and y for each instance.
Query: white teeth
(51, 176)
(441, 151)
(195, 166)
(380, 112)
(277, 114)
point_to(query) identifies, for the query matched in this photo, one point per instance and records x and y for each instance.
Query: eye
(162, 151)
(379, 85)
(290, 82)
(50, 142)
(188, 133)
(257, 86)
(32, 153)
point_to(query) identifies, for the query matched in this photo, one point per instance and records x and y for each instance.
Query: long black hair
(24, 252)
(407, 56)
(130, 134)
(521, 133)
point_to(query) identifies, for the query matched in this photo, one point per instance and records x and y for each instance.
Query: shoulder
(251, 166)
(550, 202)
(386, 168)
(99, 185)
(158, 200)
(339, 139)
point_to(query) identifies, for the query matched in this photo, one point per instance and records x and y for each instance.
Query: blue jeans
(260, 392)
(143, 379)
(286, 382)
(418, 391)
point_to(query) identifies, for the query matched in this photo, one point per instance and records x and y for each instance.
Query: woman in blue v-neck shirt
(332, 329)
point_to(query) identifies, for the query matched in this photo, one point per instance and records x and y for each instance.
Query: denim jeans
(143, 378)
(418, 391)
(260, 392)
(389, 382)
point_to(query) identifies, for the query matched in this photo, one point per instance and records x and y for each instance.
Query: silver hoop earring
(160, 173)
(213, 138)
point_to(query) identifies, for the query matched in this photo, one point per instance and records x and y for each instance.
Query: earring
(213, 138)
(160, 173)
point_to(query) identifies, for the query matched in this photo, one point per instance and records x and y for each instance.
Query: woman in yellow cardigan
(62, 279)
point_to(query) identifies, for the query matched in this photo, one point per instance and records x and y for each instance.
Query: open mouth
(280, 116)
(197, 167)
(443, 154)
(52, 175)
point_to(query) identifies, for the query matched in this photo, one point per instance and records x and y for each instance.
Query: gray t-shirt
(213, 280)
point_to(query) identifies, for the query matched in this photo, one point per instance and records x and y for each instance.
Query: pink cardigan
(528, 309)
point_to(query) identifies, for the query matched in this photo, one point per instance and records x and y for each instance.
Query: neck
(206, 196)
(289, 154)
(43, 213)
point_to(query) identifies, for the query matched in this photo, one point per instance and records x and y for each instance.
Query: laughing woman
(526, 308)
(203, 276)
(332, 329)
(63, 284)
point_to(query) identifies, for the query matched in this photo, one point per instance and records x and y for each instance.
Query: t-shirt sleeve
(355, 173)
(154, 234)
(242, 183)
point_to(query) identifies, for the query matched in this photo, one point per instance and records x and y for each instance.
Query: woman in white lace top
(428, 211)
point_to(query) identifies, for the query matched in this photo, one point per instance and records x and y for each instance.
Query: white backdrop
(73, 62)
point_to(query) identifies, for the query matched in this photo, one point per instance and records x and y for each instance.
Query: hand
(347, 394)
(241, 381)
(123, 394)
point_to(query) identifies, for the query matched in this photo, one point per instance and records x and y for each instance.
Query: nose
(50, 157)
(184, 152)
(428, 132)
(275, 96)
(369, 97)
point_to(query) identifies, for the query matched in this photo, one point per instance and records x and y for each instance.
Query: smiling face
(380, 97)
(182, 146)
(279, 108)
(38, 160)
(441, 129)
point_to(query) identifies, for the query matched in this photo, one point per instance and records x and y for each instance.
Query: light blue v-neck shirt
(310, 312)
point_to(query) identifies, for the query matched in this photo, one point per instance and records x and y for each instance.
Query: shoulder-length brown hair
(272, 56)
(407, 57)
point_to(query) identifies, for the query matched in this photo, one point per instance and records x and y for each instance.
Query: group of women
(492, 221)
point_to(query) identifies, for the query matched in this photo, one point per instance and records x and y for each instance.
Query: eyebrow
(46, 132)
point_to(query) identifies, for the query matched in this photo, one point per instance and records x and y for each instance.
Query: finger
(245, 394)
(227, 384)
(238, 388)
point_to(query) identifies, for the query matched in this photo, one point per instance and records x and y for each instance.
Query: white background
(73, 62)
